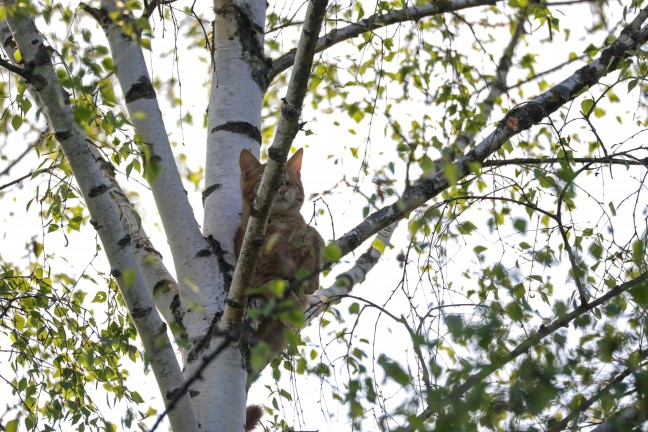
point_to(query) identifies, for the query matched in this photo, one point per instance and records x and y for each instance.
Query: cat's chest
(286, 234)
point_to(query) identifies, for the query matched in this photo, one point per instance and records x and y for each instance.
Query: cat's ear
(295, 162)
(248, 161)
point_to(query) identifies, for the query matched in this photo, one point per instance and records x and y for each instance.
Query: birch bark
(194, 267)
(234, 123)
(105, 217)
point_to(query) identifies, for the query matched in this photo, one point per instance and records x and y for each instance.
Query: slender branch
(545, 72)
(543, 331)
(374, 22)
(346, 281)
(631, 415)
(16, 69)
(517, 120)
(287, 128)
(612, 160)
(18, 180)
(495, 89)
(584, 405)
(20, 157)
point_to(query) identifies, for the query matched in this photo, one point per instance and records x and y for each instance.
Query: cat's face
(290, 195)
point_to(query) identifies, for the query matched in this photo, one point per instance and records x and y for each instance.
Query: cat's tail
(253, 414)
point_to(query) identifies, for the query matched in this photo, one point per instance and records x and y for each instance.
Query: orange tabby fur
(253, 414)
(290, 244)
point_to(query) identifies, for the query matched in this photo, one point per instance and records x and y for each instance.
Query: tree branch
(614, 159)
(584, 405)
(158, 280)
(543, 331)
(105, 218)
(14, 162)
(631, 415)
(374, 22)
(286, 130)
(516, 121)
(344, 283)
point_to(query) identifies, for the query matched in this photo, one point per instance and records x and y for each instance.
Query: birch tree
(497, 167)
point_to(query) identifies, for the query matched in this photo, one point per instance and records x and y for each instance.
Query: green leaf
(136, 397)
(520, 225)
(354, 308)
(100, 297)
(596, 250)
(12, 425)
(332, 252)
(16, 122)
(378, 245)
(393, 370)
(145, 43)
(455, 325)
(479, 249)
(586, 106)
(640, 294)
(426, 164)
(466, 227)
(514, 311)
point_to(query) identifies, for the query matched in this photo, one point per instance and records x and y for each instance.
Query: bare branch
(374, 22)
(17, 159)
(16, 181)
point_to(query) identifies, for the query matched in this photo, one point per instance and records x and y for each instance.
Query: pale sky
(328, 143)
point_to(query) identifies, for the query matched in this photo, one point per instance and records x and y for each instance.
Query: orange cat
(290, 244)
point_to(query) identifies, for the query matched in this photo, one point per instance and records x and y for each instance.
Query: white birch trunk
(159, 282)
(234, 123)
(105, 217)
(192, 257)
